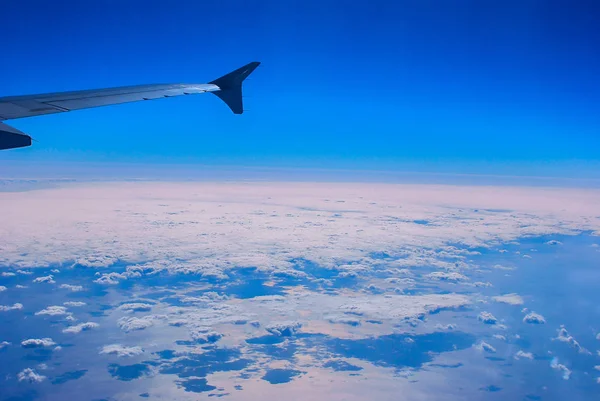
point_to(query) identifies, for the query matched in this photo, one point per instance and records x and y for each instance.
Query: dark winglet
(231, 86)
(11, 138)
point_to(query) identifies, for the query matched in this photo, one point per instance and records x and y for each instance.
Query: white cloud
(74, 288)
(45, 279)
(24, 272)
(8, 274)
(121, 350)
(110, 278)
(31, 376)
(283, 328)
(483, 346)
(564, 336)
(523, 355)
(5, 308)
(501, 267)
(447, 276)
(4, 344)
(205, 335)
(341, 319)
(136, 307)
(534, 318)
(128, 324)
(54, 310)
(487, 318)
(447, 327)
(2, 288)
(554, 242)
(511, 299)
(566, 373)
(55, 271)
(81, 327)
(74, 303)
(499, 337)
(37, 342)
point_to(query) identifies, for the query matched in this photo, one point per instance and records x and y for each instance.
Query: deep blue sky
(377, 84)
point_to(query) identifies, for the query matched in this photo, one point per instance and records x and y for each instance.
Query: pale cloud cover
(268, 224)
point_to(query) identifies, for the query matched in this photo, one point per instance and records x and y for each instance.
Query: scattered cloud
(8, 274)
(564, 336)
(5, 308)
(446, 327)
(501, 267)
(511, 299)
(136, 307)
(2, 288)
(45, 279)
(54, 310)
(283, 329)
(128, 324)
(483, 346)
(4, 344)
(447, 276)
(523, 355)
(534, 318)
(566, 373)
(121, 350)
(81, 327)
(37, 343)
(487, 318)
(553, 242)
(31, 376)
(74, 288)
(74, 303)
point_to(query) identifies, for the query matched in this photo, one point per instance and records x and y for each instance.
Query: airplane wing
(228, 88)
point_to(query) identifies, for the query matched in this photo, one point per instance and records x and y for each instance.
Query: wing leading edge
(228, 88)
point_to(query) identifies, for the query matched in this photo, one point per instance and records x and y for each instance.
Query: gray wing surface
(37, 105)
(228, 88)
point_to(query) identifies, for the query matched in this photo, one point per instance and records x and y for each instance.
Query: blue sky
(422, 85)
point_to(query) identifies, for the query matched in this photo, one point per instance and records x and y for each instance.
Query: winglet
(11, 138)
(231, 86)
